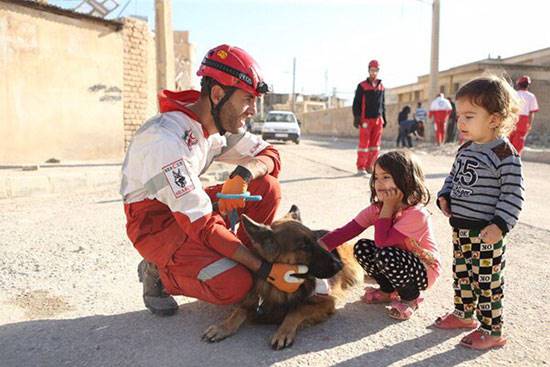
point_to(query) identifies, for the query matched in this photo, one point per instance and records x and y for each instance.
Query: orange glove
(233, 185)
(282, 275)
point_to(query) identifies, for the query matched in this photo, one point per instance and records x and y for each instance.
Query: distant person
(482, 196)
(440, 110)
(450, 135)
(369, 115)
(527, 113)
(403, 258)
(420, 113)
(405, 127)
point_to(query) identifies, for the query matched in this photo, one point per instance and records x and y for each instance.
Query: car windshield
(280, 117)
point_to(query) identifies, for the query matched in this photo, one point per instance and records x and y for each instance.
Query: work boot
(155, 298)
(361, 172)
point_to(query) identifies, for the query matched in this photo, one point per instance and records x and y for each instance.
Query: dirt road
(70, 296)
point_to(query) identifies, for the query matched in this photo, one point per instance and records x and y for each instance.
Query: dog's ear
(261, 236)
(294, 213)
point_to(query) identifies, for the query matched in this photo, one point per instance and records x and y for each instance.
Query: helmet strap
(215, 110)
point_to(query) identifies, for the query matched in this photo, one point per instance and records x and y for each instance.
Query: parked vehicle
(281, 125)
(256, 127)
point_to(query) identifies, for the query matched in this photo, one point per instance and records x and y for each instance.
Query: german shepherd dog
(288, 241)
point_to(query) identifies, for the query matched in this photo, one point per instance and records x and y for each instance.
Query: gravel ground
(70, 296)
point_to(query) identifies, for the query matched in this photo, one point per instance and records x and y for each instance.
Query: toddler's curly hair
(496, 96)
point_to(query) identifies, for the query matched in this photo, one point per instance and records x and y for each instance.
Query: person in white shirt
(527, 113)
(440, 110)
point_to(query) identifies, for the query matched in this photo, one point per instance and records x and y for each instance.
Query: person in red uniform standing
(440, 110)
(171, 220)
(369, 115)
(527, 113)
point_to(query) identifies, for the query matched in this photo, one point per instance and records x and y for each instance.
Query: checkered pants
(392, 268)
(478, 281)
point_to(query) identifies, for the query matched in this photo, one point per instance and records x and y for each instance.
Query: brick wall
(136, 87)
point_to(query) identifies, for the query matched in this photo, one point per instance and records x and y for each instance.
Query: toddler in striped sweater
(482, 196)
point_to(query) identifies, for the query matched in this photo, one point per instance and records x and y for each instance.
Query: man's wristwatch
(243, 172)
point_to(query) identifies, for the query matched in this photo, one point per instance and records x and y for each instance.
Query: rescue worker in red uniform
(171, 221)
(440, 111)
(528, 109)
(369, 115)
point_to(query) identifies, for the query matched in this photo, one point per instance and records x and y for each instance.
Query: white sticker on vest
(178, 176)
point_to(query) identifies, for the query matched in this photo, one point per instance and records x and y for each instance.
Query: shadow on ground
(141, 339)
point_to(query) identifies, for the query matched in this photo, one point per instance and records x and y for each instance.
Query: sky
(333, 40)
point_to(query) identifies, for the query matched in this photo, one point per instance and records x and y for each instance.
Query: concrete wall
(61, 87)
(339, 122)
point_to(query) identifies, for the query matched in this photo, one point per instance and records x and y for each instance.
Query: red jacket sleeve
(272, 154)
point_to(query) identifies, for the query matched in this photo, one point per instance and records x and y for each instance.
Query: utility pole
(434, 63)
(293, 101)
(164, 40)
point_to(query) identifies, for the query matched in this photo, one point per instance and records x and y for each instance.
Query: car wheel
(296, 141)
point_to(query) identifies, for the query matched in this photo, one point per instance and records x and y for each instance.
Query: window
(280, 117)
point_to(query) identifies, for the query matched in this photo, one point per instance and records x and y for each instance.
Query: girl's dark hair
(404, 114)
(407, 174)
(496, 96)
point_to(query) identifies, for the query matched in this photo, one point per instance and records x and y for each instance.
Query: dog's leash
(233, 215)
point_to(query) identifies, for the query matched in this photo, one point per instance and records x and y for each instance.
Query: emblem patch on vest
(189, 139)
(178, 176)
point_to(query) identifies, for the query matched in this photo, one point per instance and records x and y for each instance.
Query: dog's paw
(283, 339)
(215, 333)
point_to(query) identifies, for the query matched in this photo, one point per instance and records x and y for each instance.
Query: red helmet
(233, 67)
(524, 79)
(374, 64)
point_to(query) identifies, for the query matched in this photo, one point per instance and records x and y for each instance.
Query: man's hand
(282, 275)
(444, 206)
(235, 184)
(491, 234)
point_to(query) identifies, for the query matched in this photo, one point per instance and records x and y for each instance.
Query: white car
(281, 125)
(256, 127)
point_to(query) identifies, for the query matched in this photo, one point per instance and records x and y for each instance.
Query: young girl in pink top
(403, 258)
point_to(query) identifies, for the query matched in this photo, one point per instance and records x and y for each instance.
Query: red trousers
(439, 133)
(370, 137)
(196, 270)
(517, 137)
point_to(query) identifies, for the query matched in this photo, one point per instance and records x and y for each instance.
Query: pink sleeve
(386, 235)
(413, 223)
(339, 236)
(368, 216)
